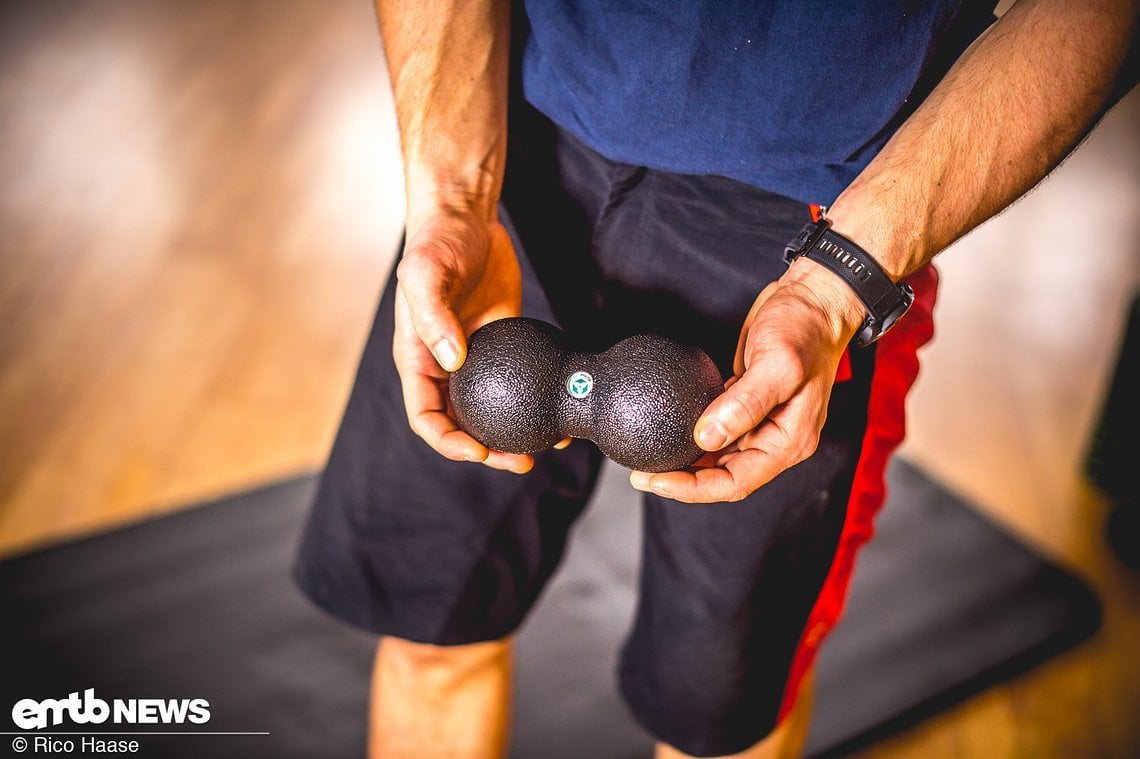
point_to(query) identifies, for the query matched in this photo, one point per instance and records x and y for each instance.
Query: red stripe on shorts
(896, 366)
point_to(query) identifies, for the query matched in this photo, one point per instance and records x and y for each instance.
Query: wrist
(472, 191)
(431, 209)
(885, 300)
(895, 239)
(842, 310)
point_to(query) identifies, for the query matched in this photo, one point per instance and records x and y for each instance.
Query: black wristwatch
(886, 302)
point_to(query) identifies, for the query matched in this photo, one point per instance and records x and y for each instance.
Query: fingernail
(446, 354)
(711, 436)
(639, 480)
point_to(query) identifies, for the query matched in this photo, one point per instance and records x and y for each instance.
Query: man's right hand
(457, 273)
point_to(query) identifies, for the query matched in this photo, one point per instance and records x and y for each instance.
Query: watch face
(867, 334)
(872, 331)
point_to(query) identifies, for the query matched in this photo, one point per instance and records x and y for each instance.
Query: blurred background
(201, 201)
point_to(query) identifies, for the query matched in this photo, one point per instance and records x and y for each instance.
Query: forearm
(448, 66)
(1007, 113)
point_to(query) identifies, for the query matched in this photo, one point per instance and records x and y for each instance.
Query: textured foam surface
(522, 389)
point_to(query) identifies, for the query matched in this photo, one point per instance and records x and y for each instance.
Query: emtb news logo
(29, 714)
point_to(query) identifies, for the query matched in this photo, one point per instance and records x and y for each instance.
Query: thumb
(424, 284)
(740, 409)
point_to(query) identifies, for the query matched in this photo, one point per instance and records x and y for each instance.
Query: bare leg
(785, 742)
(436, 702)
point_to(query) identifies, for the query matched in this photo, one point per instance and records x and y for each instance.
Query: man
(659, 158)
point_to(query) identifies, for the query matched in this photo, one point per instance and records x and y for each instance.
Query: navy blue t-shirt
(793, 97)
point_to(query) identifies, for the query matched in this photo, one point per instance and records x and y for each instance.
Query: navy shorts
(732, 600)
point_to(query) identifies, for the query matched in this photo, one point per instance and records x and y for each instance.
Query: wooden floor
(200, 202)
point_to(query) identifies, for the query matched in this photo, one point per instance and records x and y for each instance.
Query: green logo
(579, 385)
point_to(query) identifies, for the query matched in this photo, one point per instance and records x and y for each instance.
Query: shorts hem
(310, 589)
(701, 746)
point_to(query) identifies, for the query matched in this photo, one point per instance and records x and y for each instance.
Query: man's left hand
(771, 414)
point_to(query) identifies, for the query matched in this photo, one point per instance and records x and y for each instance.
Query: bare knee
(430, 662)
(440, 701)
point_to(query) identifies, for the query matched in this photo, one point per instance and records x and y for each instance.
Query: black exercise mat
(199, 605)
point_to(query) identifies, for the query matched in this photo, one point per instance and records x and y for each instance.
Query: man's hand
(770, 416)
(448, 66)
(458, 272)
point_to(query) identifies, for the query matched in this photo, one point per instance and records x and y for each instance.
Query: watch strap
(885, 301)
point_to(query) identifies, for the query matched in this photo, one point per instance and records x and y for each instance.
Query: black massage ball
(521, 391)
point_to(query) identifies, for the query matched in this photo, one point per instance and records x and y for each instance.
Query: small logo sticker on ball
(579, 385)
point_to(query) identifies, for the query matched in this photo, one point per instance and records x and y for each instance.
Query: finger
(519, 463)
(784, 440)
(742, 474)
(744, 405)
(425, 402)
(562, 443)
(427, 405)
(424, 285)
(441, 432)
(696, 486)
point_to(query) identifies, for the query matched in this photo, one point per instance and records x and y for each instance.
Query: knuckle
(738, 494)
(744, 407)
(425, 324)
(780, 358)
(791, 367)
(424, 430)
(802, 453)
(417, 425)
(806, 448)
(408, 268)
(401, 356)
(416, 269)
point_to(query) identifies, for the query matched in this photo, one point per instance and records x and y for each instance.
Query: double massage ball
(521, 390)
